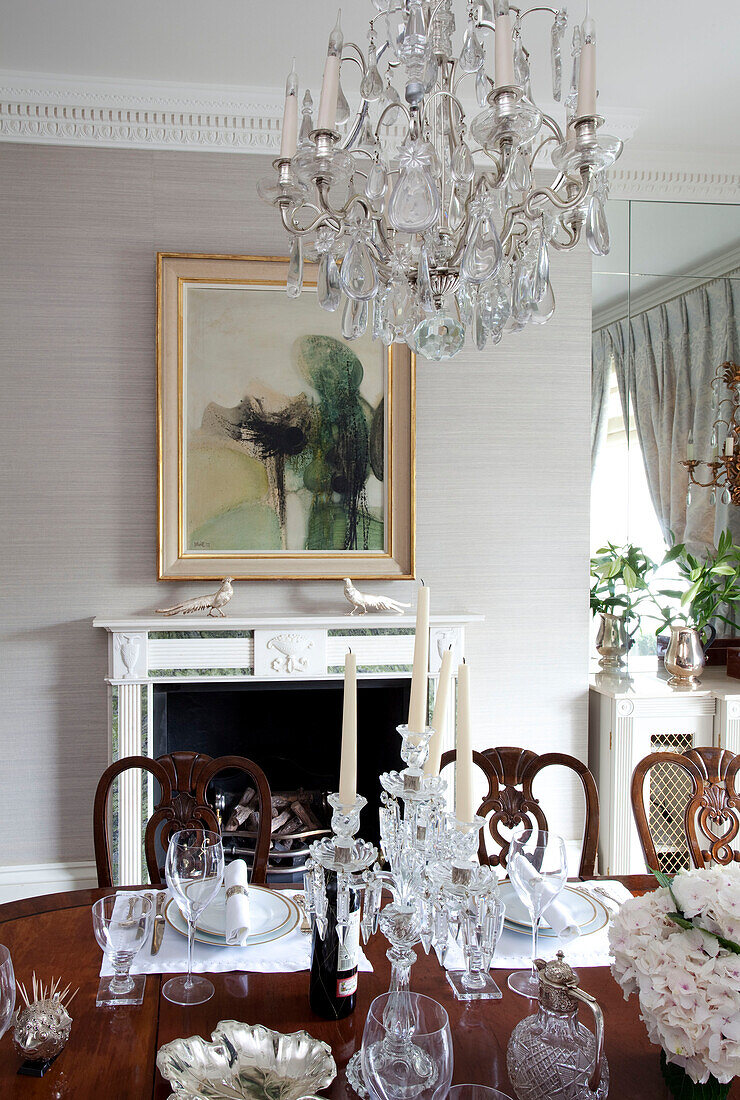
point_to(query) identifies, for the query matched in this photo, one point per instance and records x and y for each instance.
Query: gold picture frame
(205, 338)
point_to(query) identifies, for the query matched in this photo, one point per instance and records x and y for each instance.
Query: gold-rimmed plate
(587, 912)
(273, 915)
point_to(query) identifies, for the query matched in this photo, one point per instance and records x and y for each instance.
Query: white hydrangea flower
(687, 983)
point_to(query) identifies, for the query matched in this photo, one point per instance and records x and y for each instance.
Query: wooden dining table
(111, 1054)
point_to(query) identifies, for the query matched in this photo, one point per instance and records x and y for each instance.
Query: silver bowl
(246, 1062)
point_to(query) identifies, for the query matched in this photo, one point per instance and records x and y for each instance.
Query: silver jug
(685, 655)
(612, 639)
(551, 1056)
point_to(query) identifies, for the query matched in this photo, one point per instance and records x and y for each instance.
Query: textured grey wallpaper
(503, 475)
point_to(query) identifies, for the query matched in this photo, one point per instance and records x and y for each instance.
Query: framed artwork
(284, 450)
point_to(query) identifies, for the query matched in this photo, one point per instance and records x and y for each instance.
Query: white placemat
(284, 956)
(514, 951)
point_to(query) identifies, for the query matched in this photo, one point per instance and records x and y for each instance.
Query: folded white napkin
(556, 913)
(237, 903)
(286, 955)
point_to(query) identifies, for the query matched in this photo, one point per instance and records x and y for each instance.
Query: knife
(158, 932)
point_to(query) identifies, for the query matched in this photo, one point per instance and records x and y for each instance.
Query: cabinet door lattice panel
(670, 790)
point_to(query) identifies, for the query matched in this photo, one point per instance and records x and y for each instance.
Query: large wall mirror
(666, 316)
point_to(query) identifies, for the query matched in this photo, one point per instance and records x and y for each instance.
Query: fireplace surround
(267, 688)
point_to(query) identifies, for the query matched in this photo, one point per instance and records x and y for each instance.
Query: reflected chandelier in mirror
(724, 465)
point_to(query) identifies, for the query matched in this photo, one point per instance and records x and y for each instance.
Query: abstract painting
(293, 445)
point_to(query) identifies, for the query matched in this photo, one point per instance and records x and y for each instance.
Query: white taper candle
(348, 765)
(464, 746)
(417, 722)
(587, 69)
(289, 132)
(503, 51)
(330, 86)
(439, 717)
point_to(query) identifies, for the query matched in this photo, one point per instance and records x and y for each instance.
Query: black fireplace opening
(293, 731)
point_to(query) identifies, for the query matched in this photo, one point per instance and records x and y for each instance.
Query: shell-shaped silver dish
(246, 1062)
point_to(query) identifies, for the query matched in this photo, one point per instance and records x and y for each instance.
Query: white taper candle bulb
(289, 132)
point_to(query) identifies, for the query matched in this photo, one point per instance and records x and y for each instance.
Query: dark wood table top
(111, 1052)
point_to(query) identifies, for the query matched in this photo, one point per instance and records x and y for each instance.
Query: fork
(305, 921)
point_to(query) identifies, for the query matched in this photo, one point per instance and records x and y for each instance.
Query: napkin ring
(232, 890)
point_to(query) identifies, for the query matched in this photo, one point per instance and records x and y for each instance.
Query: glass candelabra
(411, 824)
(341, 853)
(467, 910)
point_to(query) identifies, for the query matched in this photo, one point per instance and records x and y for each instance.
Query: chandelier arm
(531, 11)
(391, 107)
(322, 218)
(717, 473)
(574, 236)
(359, 60)
(554, 126)
(557, 202)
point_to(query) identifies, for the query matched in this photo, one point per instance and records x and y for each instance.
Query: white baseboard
(31, 879)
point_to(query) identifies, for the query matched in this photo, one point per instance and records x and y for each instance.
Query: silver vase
(685, 655)
(611, 640)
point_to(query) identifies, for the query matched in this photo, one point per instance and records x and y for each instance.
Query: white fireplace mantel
(145, 651)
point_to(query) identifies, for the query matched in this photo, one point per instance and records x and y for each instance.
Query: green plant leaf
(724, 569)
(673, 553)
(629, 576)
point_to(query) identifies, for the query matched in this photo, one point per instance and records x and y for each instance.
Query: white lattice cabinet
(630, 717)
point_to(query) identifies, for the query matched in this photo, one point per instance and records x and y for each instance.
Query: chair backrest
(183, 779)
(509, 801)
(702, 806)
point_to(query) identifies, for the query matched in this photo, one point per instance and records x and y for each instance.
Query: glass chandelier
(426, 227)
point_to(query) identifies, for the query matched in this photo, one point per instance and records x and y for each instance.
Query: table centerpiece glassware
(121, 923)
(678, 948)
(407, 1048)
(538, 867)
(194, 870)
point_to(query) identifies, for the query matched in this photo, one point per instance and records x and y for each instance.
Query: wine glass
(406, 1048)
(194, 870)
(7, 989)
(538, 867)
(121, 923)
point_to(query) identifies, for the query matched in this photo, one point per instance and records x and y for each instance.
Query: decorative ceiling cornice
(672, 184)
(135, 115)
(56, 110)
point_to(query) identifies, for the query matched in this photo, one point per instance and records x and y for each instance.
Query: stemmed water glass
(538, 867)
(406, 1048)
(121, 923)
(7, 989)
(194, 870)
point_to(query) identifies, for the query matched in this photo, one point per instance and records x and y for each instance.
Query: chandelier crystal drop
(429, 227)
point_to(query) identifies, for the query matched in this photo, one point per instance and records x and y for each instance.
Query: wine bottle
(333, 988)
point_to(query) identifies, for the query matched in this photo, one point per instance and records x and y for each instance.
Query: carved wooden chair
(183, 779)
(509, 801)
(692, 800)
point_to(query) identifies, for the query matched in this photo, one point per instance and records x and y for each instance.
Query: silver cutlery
(158, 930)
(305, 920)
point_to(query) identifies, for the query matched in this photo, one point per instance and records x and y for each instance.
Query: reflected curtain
(664, 360)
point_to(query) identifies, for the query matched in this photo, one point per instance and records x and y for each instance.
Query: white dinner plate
(584, 910)
(272, 916)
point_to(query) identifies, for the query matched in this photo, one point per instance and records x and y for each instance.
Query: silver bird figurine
(364, 602)
(213, 603)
